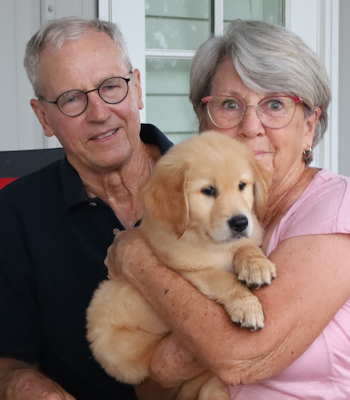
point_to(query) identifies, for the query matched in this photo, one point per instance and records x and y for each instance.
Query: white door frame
(317, 23)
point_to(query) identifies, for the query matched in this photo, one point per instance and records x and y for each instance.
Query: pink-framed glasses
(274, 112)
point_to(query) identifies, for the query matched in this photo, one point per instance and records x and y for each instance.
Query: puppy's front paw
(247, 312)
(256, 271)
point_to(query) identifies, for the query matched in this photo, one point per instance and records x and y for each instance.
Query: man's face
(105, 135)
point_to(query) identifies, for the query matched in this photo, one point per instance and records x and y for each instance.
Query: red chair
(14, 164)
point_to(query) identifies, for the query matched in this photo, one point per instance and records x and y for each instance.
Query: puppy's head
(210, 184)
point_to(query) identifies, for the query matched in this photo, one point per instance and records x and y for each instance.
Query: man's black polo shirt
(53, 243)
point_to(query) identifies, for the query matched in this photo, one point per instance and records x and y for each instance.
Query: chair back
(17, 163)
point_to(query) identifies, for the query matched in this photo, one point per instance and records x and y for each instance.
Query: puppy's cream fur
(203, 203)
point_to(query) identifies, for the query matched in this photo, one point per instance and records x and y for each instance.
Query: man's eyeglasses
(274, 112)
(74, 102)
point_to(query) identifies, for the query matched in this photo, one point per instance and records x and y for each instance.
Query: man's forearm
(22, 381)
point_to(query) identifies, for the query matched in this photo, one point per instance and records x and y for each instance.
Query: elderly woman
(260, 84)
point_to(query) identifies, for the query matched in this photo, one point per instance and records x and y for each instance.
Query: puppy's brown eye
(241, 186)
(209, 191)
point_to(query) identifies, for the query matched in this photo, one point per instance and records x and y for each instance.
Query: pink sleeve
(323, 208)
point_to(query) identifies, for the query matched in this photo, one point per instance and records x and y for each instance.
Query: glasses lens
(114, 90)
(276, 112)
(226, 112)
(72, 103)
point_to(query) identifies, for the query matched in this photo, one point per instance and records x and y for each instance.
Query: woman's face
(278, 150)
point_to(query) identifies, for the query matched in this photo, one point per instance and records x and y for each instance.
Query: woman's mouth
(261, 152)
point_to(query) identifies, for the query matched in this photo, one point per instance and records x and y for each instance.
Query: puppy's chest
(198, 260)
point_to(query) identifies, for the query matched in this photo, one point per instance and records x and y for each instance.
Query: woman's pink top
(323, 371)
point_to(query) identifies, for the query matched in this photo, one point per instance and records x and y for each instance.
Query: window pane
(177, 24)
(263, 10)
(178, 8)
(167, 88)
(185, 25)
(167, 76)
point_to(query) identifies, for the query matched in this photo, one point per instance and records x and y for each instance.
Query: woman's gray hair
(55, 33)
(269, 59)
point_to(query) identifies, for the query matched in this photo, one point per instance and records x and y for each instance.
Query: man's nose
(97, 109)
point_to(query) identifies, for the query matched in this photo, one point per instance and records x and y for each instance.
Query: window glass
(176, 33)
(174, 26)
(177, 24)
(167, 88)
(263, 10)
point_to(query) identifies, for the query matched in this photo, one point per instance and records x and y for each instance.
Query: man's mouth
(104, 135)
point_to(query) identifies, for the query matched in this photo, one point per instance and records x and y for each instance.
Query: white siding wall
(344, 88)
(19, 129)
(19, 20)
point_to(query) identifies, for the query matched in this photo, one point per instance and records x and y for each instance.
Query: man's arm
(22, 381)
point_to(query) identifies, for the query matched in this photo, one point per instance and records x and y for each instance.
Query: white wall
(19, 20)
(130, 17)
(344, 88)
(317, 23)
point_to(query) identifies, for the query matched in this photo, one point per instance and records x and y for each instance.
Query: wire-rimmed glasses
(274, 112)
(74, 102)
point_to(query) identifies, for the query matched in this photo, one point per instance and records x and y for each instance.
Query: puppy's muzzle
(238, 224)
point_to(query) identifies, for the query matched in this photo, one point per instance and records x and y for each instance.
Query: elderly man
(58, 222)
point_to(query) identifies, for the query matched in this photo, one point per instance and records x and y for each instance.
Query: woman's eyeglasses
(274, 112)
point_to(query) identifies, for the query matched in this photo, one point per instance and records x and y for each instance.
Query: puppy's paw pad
(257, 272)
(248, 313)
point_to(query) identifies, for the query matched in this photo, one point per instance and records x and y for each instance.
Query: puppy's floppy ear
(261, 188)
(165, 196)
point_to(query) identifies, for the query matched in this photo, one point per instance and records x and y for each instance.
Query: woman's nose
(251, 126)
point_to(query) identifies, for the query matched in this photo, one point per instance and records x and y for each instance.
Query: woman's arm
(312, 275)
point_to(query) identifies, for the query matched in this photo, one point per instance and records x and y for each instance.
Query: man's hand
(21, 381)
(128, 247)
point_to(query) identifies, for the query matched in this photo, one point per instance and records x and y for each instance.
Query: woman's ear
(39, 110)
(311, 123)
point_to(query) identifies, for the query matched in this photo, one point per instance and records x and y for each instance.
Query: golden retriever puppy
(203, 203)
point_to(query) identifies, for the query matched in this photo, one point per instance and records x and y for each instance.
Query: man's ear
(41, 115)
(137, 83)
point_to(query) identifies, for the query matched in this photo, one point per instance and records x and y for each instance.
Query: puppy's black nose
(238, 223)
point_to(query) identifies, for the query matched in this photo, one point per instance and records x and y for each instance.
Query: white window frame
(315, 21)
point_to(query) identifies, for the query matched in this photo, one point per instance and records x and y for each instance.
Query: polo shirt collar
(72, 187)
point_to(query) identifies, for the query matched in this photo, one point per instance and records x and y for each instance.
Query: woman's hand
(171, 366)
